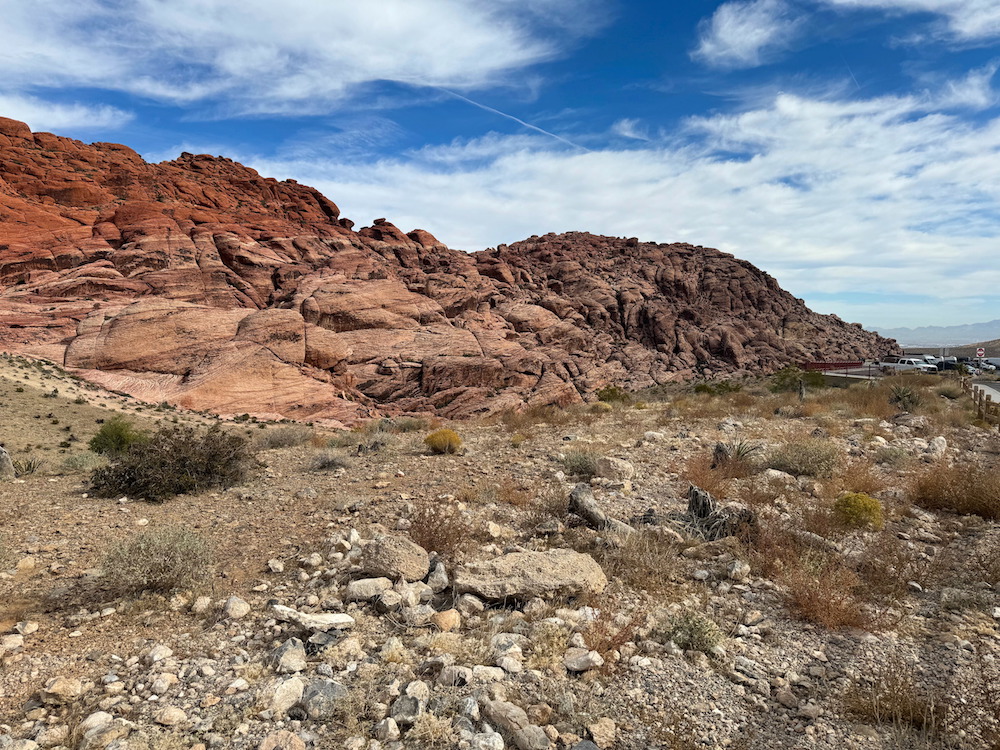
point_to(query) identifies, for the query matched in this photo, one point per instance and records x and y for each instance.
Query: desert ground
(553, 582)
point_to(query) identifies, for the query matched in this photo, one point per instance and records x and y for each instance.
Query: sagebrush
(160, 560)
(176, 460)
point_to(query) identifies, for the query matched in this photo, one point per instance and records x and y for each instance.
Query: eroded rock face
(199, 282)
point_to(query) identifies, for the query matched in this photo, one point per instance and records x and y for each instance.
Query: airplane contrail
(515, 119)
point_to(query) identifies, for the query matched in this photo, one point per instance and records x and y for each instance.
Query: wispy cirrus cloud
(258, 56)
(746, 33)
(958, 20)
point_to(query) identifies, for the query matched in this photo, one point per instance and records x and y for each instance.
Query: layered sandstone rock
(199, 282)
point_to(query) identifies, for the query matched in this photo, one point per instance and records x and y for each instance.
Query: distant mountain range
(944, 335)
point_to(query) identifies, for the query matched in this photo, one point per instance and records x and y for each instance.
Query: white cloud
(43, 115)
(261, 56)
(963, 20)
(630, 128)
(745, 33)
(832, 196)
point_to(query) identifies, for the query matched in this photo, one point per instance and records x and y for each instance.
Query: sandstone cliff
(199, 282)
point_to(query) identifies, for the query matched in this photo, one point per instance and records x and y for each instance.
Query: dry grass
(645, 561)
(509, 492)
(813, 457)
(699, 472)
(858, 476)
(283, 437)
(894, 693)
(966, 489)
(431, 732)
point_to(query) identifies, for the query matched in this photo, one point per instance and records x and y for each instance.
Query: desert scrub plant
(327, 462)
(25, 466)
(581, 464)
(690, 631)
(159, 560)
(612, 393)
(176, 460)
(788, 380)
(283, 437)
(967, 489)
(86, 461)
(549, 641)
(736, 459)
(856, 510)
(906, 397)
(812, 457)
(647, 560)
(892, 692)
(430, 732)
(891, 455)
(116, 436)
(441, 528)
(950, 391)
(443, 442)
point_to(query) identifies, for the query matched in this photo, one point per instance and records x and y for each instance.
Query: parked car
(905, 364)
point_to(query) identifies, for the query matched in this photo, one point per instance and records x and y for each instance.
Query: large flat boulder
(558, 573)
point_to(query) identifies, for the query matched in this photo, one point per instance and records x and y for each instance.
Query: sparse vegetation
(176, 460)
(443, 442)
(116, 436)
(691, 631)
(283, 437)
(789, 379)
(441, 528)
(26, 466)
(159, 560)
(582, 464)
(327, 462)
(812, 457)
(857, 510)
(969, 489)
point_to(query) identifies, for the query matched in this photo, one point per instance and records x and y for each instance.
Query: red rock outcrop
(199, 282)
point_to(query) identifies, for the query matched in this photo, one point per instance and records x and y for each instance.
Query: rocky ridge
(198, 282)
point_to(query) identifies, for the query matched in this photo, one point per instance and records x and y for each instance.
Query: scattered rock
(395, 557)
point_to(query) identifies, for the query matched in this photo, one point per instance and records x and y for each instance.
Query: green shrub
(160, 560)
(612, 393)
(691, 631)
(116, 436)
(788, 379)
(857, 510)
(444, 442)
(905, 397)
(812, 457)
(722, 388)
(176, 460)
(580, 464)
(891, 455)
(950, 391)
(600, 407)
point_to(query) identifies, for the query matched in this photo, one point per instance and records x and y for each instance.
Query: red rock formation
(199, 282)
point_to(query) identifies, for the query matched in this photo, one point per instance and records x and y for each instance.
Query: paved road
(990, 389)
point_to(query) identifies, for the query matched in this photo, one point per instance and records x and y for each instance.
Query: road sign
(980, 352)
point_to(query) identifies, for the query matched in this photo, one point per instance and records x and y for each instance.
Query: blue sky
(847, 147)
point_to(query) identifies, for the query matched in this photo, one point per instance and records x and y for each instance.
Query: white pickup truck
(905, 364)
